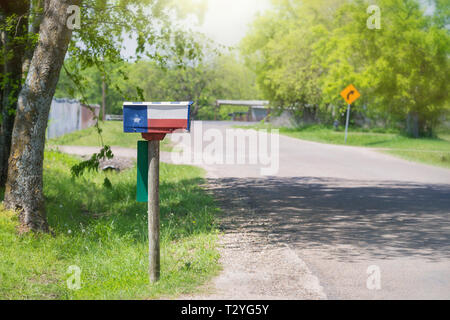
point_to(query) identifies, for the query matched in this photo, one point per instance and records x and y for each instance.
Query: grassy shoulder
(103, 231)
(112, 135)
(430, 151)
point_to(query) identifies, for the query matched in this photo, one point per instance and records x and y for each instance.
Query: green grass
(112, 134)
(104, 232)
(426, 150)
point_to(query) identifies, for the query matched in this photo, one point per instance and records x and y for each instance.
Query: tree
(103, 27)
(24, 186)
(306, 52)
(401, 69)
(284, 48)
(13, 26)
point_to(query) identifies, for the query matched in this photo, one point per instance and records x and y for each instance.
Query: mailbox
(156, 118)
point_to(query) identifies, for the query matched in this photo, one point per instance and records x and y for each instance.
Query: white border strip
(163, 104)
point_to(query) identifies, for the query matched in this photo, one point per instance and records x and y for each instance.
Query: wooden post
(153, 210)
(103, 98)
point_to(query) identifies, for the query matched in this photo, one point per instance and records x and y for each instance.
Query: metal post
(153, 210)
(346, 122)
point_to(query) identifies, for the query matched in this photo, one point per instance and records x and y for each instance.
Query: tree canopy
(306, 52)
(215, 77)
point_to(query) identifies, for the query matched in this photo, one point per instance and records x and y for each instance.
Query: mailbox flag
(156, 117)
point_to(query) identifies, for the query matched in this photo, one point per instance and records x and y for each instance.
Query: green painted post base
(142, 171)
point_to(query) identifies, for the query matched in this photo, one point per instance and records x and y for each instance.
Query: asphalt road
(328, 214)
(343, 209)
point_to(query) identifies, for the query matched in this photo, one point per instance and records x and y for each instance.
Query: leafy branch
(93, 163)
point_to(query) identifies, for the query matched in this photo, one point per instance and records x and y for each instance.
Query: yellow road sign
(350, 94)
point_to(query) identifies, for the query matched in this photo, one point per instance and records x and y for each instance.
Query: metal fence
(68, 116)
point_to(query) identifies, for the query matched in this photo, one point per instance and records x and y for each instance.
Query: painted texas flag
(150, 117)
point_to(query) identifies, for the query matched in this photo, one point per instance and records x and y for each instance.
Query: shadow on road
(382, 220)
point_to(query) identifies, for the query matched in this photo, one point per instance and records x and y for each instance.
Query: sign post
(346, 122)
(153, 120)
(350, 95)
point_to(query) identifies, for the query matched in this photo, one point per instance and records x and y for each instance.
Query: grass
(426, 150)
(112, 134)
(103, 231)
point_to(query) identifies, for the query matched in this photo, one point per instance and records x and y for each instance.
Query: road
(342, 209)
(312, 229)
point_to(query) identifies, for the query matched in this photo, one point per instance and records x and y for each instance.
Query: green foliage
(95, 51)
(306, 52)
(219, 77)
(93, 164)
(400, 69)
(104, 232)
(14, 40)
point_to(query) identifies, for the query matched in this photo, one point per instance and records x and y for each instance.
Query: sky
(226, 21)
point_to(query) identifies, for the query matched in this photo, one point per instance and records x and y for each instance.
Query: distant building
(257, 109)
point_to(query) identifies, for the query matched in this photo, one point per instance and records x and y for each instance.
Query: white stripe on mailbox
(167, 112)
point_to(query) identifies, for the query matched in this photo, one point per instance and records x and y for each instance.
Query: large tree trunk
(24, 187)
(13, 43)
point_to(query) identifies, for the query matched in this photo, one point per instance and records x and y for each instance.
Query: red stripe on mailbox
(168, 123)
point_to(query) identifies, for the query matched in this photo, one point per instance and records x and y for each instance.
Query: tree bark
(24, 187)
(13, 43)
(2, 40)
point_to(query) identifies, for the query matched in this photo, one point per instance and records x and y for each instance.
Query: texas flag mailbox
(153, 120)
(156, 117)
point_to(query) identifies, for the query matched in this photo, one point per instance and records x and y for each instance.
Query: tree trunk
(412, 124)
(309, 115)
(2, 40)
(13, 43)
(103, 98)
(24, 187)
